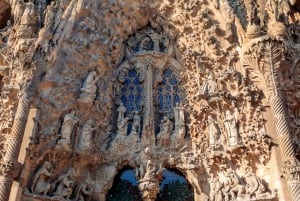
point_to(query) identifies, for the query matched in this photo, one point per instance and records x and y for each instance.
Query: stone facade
(206, 87)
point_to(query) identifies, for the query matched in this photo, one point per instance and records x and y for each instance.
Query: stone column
(270, 49)
(9, 164)
(290, 168)
(148, 135)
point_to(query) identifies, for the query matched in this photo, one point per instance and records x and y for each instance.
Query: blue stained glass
(168, 73)
(132, 73)
(168, 102)
(138, 102)
(131, 88)
(168, 91)
(173, 81)
(124, 99)
(139, 90)
(123, 89)
(130, 105)
(136, 81)
(160, 100)
(127, 81)
(176, 99)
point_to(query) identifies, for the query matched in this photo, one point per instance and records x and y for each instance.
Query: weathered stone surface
(209, 88)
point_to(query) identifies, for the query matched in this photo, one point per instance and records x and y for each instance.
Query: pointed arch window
(168, 92)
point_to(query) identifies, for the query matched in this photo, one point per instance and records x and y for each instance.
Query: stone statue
(149, 184)
(121, 112)
(253, 183)
(145, 44)
(214, 133)
(216, 190)
(84, 191)
(40, 184)
(145, 156)
(28, 13)
(89, 88)
(164, 136)
(50, 16)
(155, 37)
(136, 124)
(232, 129)
(65, 185)
(237, 190)
(122, 127)
(210, 86)
(179, 115)
(67, 128)
(86, 136)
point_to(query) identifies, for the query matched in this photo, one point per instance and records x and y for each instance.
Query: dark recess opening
(5, 14)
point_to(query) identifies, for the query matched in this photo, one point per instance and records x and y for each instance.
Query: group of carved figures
(166, 125)
(232, 139)
(228, 186)
(85, 139)
(62, 187)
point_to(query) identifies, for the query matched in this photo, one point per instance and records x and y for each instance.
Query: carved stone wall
(209, 88)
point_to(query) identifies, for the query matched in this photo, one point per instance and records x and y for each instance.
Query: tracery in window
(132, 93)
(168, 92)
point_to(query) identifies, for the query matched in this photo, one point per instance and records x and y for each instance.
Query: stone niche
(194, 88)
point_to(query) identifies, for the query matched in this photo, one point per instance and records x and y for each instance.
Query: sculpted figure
(49, 16)
(122, 127)
(155, 37)
(28, 13)
(145, 156)
(41, 185)
(179, 115)
(64, 188)
(164, 136)
(237, 190)
(121, 112)
(145, 44)
(136, 124)
(89, 88)
(84, 191)
(149, 184)
(216, 190)
(214, 133)
(86, 136)
(231, 127)
(254, 185)
(67, 128)
(210, 86)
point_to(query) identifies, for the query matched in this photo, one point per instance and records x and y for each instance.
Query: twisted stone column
(290, 168)
(9, 163)
(269, 49)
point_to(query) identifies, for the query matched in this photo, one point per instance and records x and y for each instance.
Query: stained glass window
(132, 93)
(168, 92)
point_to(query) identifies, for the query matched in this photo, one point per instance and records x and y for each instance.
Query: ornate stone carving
(41, 184)
(85, 142)
(154, 85)
(88, 89)
(69, 122)
(149, 184)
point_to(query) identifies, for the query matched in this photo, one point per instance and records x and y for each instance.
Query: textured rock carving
(150, 85)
